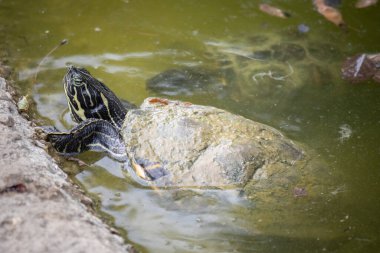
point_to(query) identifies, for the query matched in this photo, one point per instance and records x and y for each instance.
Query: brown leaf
(273, 11)
(365, 3)
(330, 13)
(358, 68)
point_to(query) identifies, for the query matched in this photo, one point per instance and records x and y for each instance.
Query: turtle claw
(148, 170)
(42, 132)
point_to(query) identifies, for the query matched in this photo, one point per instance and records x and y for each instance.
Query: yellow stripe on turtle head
(106, 104)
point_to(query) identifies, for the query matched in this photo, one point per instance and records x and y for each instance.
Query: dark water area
(265, 68)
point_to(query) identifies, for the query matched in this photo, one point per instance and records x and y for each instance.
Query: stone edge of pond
(41, 210)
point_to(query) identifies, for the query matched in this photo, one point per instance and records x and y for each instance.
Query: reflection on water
(209, 220)
(126, 43)
(105, 61)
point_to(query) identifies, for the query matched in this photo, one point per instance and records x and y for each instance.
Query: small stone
(7, 120)
(11, 221)
(86, 201)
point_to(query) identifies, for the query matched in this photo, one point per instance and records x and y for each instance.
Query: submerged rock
(205, 146)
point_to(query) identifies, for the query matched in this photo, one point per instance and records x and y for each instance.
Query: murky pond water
(125, 43)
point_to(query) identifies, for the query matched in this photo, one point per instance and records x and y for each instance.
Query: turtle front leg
(93, 134)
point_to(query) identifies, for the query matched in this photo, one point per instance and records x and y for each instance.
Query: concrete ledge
(40, 209)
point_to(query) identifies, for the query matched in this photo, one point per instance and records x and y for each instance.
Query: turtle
(170, 142)
(93, 106)
(99, 114)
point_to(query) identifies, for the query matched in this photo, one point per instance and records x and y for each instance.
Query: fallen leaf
(365, 3)
(358, 68)
(273, 11)
(23, 104)
(329, 12)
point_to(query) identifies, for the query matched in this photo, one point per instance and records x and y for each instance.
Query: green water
(124, 43)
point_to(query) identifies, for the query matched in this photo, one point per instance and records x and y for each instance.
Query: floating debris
(365, 3)
(273, 75)
(330, 13)
(273, 11)
(361, 67)
(63, 42)
(339, 189)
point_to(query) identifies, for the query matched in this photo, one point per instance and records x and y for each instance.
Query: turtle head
(76, 76)
(88, 98)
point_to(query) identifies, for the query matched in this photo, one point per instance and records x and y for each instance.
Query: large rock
(205, 146)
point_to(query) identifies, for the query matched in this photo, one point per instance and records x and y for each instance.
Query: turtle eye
(77, 79)
(77, 76)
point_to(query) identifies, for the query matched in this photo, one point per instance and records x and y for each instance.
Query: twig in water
(63, 42)
(272, 75)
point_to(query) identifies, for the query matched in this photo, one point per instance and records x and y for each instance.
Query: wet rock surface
(205, 146)
(40, 209)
